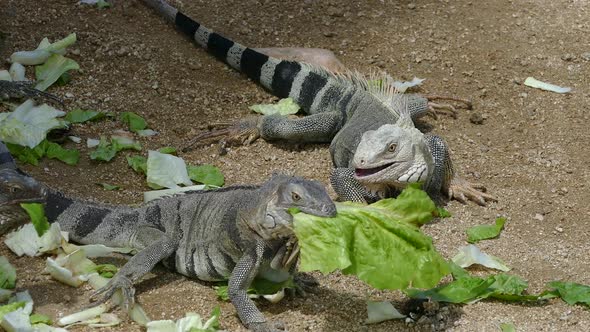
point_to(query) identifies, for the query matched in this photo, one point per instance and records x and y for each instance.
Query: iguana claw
(117, 282)
(304, 284)
(434, 108)
(463, 190)
(243, 132)
(277, 326)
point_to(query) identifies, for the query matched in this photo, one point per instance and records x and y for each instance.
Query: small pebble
(411, 5)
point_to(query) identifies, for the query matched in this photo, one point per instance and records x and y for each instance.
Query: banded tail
(284, 79)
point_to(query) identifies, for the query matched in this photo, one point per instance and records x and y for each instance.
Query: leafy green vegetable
(45, 148)
(166, 170)
(484, 232)
(467, 289)
(106, 270)
(138, 163)
(571, 292)
(105, 151)
(107, 186)
(206, 174)
(36, 212)
(470, 254)
(507, 327)
(378, 312)
(11, 307)
(462, 290)
(28, 124)
(40, 319)
(7, 274)
(56, 151)
(168, 150)
(285, 106)
(80, 116)
(101, 4)
(52, 69)
(134, 121)
(380, 243)
(124, 143)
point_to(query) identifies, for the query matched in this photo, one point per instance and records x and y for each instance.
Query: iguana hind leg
(24, 89)
(315, 128)
(435, 108)
(463, 190)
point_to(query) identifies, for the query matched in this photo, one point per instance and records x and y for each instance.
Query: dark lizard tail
(273, 74)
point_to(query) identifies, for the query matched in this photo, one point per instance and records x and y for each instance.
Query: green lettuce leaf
(138, 164)
(484, 232)
(7, 274)
(467, 289)
(470, 254)
(7, 308)
(107, 186)
(285, 106)
(28, 125)
(571, 292)
(507, 327)
(105, 151)
(380, 243)
(36, 212)
(168, 150)
(56, 151)
(52, 69)
(134, 121)
(166, 170)
(206, 174)
(80, 116)
(40, 319)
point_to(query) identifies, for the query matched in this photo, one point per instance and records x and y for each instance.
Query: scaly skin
(234, 233)
(339, 108)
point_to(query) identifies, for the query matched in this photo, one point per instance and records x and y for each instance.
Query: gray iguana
(15, 187)
(24, 89)
(234, 233)
(339, 107)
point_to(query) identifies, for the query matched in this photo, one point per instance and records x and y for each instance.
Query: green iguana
(234, 233)
(15, 187)
(340, 108)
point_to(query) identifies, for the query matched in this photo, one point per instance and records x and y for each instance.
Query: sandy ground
(530, 151)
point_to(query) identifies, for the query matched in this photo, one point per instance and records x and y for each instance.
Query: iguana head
(17, 187)
(393, 155)
(289, 192)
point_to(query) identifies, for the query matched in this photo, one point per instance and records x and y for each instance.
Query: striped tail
(275, 75)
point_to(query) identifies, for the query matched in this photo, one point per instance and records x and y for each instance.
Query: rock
(539, 217)
(586, 56)
(568, 57)
(476, 118)
(411, 5)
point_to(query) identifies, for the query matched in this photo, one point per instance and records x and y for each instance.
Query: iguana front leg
(242, 276)
(161, 245)
(444, 180)
(350, 189)
(315, 128)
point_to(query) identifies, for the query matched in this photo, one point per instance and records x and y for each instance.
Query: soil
(527, 146)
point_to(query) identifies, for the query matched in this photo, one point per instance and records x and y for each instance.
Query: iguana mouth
(362, 172)
(23, 200)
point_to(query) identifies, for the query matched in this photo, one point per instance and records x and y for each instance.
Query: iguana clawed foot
(435, 108)
(276, 326)
(304, 284)
(121, 282)
(25, 89)
(242, 132)
(463, 190)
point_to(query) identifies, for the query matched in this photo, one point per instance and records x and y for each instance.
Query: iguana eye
(13, 189)
(295, 196)
(391, 147)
